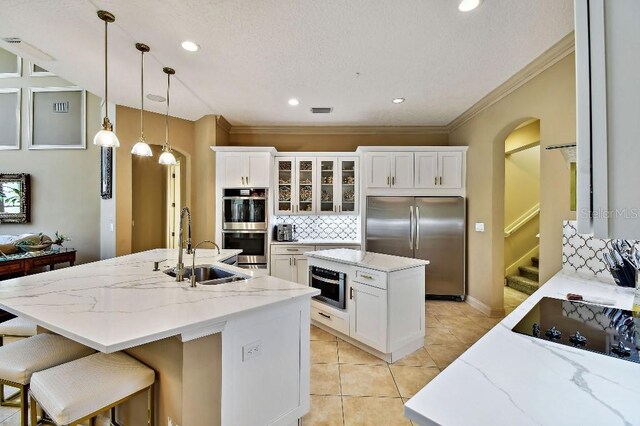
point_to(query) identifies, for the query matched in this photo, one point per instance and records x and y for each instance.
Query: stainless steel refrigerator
(430, 228)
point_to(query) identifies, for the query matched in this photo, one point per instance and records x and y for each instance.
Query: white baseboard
(523, 261)
(485, 309)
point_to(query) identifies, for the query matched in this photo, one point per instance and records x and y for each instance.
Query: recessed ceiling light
(294, 102)
(190, 46)
(398, 100)
(467, 5)
(156, 98)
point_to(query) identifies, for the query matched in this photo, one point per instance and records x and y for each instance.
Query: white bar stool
(79, 390)
(16, 328)
(20, 360)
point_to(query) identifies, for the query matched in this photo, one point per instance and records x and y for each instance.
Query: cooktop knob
(621, 350)
(578, 339)
(553, 333)
(536, 330)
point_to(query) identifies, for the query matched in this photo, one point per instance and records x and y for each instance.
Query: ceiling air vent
(321, 110)
(25, 49)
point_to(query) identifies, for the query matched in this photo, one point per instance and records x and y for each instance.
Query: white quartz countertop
(121, 302)
(319, 242)
(365, 259)
(512, 379)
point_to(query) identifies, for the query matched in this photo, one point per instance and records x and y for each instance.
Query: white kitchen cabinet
(286, 184)
(282, 267)
(301, 269)
(337, 181)
(244, 169)
(438, 170)
(607, 109)
(368, 315)
(296, 181)
(389, 169)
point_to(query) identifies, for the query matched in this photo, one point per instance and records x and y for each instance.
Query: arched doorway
(158, 192)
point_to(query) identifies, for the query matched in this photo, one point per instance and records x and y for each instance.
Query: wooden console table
(26, 264)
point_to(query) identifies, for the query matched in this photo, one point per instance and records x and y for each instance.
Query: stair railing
(522, 220)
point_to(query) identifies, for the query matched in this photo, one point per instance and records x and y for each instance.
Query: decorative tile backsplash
(323, 227)
(583, 253)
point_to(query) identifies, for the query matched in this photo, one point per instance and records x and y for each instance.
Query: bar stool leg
(151, 406)
(34, 412)
(24, 405)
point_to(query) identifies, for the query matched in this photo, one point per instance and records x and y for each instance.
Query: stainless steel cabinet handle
(325, 280)
(324, 315)
(292, 249)
(369, 277)
(435, 180)
(417, 237)
(243, 180)
(351, 293)
(246, 178)
(411, 227)
(393, 181)
(294, 261)
(440, 180)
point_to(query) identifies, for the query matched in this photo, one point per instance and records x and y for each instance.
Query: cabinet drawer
(372, 278)
(330, 319)
(292, 249)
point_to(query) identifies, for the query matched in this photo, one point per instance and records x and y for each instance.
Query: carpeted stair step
(522, 284)
(531, 272)
(536, 261)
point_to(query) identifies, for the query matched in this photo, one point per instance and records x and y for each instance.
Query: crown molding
(550, 57)
(338, 130)
(223, 123)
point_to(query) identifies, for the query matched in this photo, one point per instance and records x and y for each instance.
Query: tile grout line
(340, 381)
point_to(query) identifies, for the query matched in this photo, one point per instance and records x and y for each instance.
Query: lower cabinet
(368, 315)
(291, 268)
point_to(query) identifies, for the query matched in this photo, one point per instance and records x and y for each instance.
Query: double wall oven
(244, 212)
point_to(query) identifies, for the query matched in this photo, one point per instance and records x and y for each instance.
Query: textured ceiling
(352, 55)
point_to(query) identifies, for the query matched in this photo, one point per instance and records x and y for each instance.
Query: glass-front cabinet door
(285, 169)
(327, 171)
(305, 188)
(347, 175)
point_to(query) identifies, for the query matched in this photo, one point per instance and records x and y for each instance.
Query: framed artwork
(58, 118)
(10, 119)
(36, 70)
(106, 172)
(15, 198)
(10, 64)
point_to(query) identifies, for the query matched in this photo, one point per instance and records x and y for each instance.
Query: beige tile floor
(352, 387)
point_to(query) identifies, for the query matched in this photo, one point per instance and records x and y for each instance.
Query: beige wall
(181, 138)
(65, 184)
(524, 136)
(333, 142)
(204, 176)
(550, 97)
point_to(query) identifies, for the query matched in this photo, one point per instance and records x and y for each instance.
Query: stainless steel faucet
(193, 262)
(180, 265)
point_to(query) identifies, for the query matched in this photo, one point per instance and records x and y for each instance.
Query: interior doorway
(173, 204)
(521, 213)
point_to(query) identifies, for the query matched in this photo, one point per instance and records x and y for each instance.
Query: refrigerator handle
(417, 237)
(411, 227)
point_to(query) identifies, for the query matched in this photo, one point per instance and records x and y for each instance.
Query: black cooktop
(604, 330)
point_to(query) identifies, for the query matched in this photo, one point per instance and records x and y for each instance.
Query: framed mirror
(15, 198)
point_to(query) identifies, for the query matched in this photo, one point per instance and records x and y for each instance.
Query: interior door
(402, 170)
(450, 170)
(389, 225)
(441, 240)
(258, 169)
(426, 173)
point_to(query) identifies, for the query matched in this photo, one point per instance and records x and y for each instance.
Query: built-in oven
(332, 286)
(244, 209)
(253, 245)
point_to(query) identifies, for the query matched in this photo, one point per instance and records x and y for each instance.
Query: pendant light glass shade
(167, 158)
(141, 148)
(106, 137)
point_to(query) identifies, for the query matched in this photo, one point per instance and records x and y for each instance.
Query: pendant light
(167, 157)
(106, 137)
(141, 148)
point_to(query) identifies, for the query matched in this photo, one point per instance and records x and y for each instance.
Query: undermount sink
(207, 275)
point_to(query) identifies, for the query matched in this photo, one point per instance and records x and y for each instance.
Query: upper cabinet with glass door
(305, 190)
(328, 185)
(348, 182)
(338, 184)
(286, 184)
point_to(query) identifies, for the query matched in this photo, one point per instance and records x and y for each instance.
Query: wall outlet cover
(251, 350)
(479, 227)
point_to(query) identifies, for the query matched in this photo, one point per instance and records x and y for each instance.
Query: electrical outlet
(251, 350)
(479, 227)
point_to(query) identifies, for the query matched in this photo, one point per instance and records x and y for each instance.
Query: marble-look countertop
(319, 242)
(512, 379)
(365, 259)
(119, 303)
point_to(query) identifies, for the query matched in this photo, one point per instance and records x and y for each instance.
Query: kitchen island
(513, 379)
(213, 347)
(374, 301)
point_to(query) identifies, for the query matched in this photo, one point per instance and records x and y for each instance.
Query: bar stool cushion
(79, 388)
(19, 360)
(18, 327)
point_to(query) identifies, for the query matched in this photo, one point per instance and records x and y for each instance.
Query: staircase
(527, 281)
